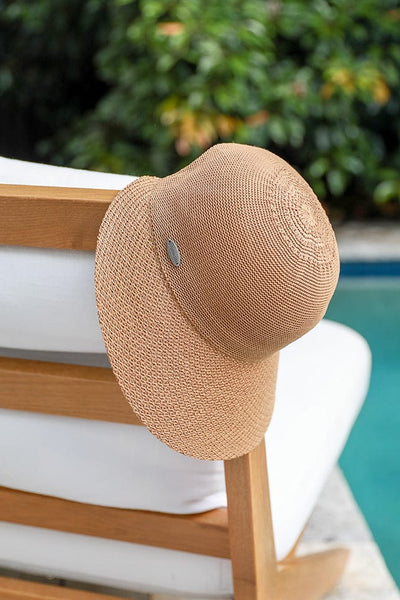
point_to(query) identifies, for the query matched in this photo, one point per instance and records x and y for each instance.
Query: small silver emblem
(173, 253)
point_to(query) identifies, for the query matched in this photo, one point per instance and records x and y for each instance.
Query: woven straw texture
(195, 347)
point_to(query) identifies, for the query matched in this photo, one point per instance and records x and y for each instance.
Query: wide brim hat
(192, 318)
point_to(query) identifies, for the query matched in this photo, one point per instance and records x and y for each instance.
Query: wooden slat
(16, 589)
(205, 533)
(312, 576)
(52, 217)
(254, 565)
(67, 390)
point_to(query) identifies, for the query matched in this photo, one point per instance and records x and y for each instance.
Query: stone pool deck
(375, 241)
(337, 521)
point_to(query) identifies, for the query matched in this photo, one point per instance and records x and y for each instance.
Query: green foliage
(145, 86)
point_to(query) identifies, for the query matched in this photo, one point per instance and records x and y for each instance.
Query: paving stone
(369, 241)
(337, 521)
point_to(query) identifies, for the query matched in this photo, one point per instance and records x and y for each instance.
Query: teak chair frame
(69, 218)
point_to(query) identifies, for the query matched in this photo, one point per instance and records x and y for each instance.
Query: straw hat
(201, 278)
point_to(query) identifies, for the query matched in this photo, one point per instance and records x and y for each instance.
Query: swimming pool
(368, 299)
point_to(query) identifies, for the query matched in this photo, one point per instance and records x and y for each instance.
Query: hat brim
(192, 397)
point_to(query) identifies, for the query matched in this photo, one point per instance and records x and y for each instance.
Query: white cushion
(47, 296)
(322, 383)
(23, 172)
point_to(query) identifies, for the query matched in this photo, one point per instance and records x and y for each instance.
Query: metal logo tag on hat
(201, 278)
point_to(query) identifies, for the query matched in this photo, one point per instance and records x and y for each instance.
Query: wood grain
(16, 589)
(66, 390)
(311, 577)
(52, 217)
(204, 533)
(254, 565)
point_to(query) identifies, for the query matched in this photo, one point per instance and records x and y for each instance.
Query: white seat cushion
(322, 382)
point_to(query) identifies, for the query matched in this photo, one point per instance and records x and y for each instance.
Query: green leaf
(336, 181)
(277, 130)
(319, 167)
(387, 190)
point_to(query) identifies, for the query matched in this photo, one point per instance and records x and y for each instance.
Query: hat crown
(258, 256)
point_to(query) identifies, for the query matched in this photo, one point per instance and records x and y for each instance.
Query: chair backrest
(69, 218)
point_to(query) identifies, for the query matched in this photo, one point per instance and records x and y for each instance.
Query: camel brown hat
(201, 278)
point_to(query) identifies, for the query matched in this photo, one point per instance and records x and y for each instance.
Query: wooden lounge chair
(68, 218)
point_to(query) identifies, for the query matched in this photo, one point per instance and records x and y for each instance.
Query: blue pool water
(371, 459)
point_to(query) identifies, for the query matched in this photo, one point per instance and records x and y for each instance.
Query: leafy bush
(145, 86)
